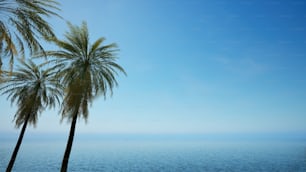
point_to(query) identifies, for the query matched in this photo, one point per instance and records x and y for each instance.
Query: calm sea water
(158, 155)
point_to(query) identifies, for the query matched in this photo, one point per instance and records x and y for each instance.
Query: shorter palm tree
(33, 90)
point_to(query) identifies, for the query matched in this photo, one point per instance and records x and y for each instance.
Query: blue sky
(198, 66)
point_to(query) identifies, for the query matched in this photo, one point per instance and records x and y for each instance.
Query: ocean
(157, 154)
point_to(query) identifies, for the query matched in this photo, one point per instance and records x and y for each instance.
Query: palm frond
(24, 24)
(32, 90)
(87, 71)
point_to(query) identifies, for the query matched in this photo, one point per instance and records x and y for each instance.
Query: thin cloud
(246, 65)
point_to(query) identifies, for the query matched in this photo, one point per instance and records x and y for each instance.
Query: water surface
(159, 154)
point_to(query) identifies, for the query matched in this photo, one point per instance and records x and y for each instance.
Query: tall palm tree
(23, 25)
(88, 70)
(33, 90)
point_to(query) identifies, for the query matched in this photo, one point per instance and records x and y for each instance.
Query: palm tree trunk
(0, 64)
(14, 155)
(69, 144)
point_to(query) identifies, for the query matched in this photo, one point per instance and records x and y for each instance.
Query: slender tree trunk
(69, 145)
(14, 155)
(0, 64)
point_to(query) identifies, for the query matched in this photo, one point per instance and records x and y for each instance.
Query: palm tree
(22, 24)
(33, 89)
(88, 70)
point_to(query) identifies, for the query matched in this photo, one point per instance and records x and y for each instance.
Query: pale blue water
(158, 155)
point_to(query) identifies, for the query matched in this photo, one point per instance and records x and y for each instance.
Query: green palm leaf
(23, 25)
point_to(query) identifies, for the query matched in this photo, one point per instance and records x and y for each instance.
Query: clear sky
(196, 66)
